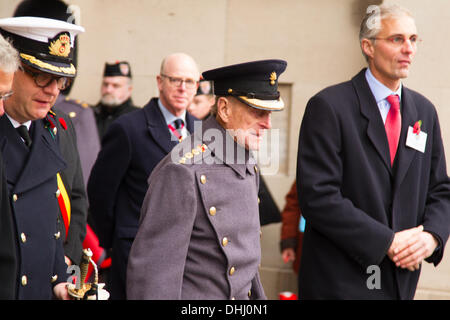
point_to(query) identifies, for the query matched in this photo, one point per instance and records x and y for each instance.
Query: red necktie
(393, 125)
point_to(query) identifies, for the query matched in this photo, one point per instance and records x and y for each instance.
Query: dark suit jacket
(354, 202)
(31, 178)
(72, 178)
(133, 145)
(8, 257)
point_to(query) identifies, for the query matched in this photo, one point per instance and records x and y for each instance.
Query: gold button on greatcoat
(58, 193)
(232, 270)
(203, 179)
(224, 241)
(15, 197)
(57, 235)
(72, 114)
(54, 278)
(24, 280)
(256, 169)
(212, 211)
(23, 237)
(259, 200)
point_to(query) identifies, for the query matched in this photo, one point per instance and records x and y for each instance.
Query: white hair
(371, 23)
(9, 57)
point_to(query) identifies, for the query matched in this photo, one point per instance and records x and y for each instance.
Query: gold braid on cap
(48, 66)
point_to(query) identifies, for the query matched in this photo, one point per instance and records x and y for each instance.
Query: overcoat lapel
(157, 126)
(44, 160)
(375, 126)
(405, 155)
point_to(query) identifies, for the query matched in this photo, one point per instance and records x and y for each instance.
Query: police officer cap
(254, 83)
(44, 44)
(118, 68)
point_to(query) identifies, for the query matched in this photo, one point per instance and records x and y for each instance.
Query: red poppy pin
(63, 123)
(416, 128)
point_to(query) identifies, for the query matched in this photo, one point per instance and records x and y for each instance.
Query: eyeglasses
(399, 40)
(6, 96)
(189, 83)
(42, 79)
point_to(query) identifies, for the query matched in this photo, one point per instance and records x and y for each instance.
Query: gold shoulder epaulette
(189, 155)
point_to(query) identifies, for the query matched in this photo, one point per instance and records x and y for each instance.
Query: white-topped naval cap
(39, 29)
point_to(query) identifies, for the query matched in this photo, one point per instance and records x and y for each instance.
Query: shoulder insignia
(78, 102)
(189, 155)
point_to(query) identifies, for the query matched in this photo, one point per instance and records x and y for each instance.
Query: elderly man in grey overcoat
(199, 233)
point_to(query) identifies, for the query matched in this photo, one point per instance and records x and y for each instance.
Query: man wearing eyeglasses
(133, 145)
(32, 157)
(371, 174)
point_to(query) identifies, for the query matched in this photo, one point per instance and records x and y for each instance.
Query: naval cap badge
(60, 46)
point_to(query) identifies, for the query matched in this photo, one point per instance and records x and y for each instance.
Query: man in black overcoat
(371, 173)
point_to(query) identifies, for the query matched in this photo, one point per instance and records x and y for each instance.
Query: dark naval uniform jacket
(32, 183)
(72, 178)
(199, 232)
(134, 144)
(354, 201)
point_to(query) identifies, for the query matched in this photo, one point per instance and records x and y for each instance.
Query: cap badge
(61, 46)
(124, 69)
(273, 77)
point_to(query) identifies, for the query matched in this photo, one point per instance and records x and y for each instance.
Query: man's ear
(224, 109)
(367, 47)
(159, 82)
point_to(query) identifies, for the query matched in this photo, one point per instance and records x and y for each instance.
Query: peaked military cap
(254, 83)
(44, 44)
(118, 68)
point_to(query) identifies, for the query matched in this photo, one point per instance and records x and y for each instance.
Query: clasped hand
(410, 247)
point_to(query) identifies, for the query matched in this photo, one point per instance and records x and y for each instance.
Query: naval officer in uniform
(29, 144)
(205, 242)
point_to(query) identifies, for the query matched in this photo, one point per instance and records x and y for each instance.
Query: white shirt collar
(17, 124)
(379, 90)
(168, 116)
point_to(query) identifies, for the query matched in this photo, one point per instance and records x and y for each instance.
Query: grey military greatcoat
(199, 233)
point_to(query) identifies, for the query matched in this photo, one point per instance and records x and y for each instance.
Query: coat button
(24, 280)
(54, 278)
(203, 179)
(224, 241)
(256, 169)
(23, 237)
(55, 130)
(259, 200)
(249, 293)
(57, 235)
(58, 193)
(232, 270)
(212, 211)
(15, 197)
(72, 114)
